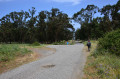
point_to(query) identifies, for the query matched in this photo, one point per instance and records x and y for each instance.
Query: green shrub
(35, 44)
(111, 42)
(59, 43)
(55, 43)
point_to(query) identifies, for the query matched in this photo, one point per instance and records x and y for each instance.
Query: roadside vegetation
(14, 55)
(36, 44)
(103, 61)
(70, 42)
(9, 52)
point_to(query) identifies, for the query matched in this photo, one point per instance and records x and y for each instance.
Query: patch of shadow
(48, 66)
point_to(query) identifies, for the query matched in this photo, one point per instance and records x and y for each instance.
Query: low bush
(35, 44)
(59, 43)
(110, 42)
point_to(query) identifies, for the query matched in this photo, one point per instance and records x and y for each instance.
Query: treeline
(26, 27)
(94, 28)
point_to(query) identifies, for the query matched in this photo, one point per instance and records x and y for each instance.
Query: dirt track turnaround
(66, 63)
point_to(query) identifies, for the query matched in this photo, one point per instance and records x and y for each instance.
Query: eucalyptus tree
(111, 16)
(31, 26)
(116, 16)
(84, 17)
(42, 26)
(59, 25)
(22, 26)
(6, 29)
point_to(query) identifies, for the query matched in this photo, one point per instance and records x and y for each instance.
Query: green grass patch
(10, 51)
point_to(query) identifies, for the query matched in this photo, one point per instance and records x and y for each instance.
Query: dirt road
(66, 63)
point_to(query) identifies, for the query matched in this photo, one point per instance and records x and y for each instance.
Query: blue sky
(67, 6)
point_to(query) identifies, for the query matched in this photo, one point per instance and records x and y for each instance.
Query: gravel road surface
(67, 63)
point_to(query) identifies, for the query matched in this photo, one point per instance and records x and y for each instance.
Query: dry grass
(18, 61)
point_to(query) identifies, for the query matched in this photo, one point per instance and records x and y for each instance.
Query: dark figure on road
(89, 45)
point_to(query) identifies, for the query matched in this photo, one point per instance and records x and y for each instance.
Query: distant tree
(85, 17)
(31, 26)
(94, 28)
(6, 29)
(77, 34)
(42, 26)
(59, 25)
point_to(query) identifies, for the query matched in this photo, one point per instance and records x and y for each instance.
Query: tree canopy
(95, 27)
(26, 27)
(54, 26)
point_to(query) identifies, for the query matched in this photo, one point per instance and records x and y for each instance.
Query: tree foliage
(27, 27)
(94, 28)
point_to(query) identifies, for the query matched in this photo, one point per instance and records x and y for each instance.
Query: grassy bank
(14, 55)
(9, 52)
(101, 66)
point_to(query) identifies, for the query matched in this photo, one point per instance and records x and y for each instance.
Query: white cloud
(75, 2)
(5, 0)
